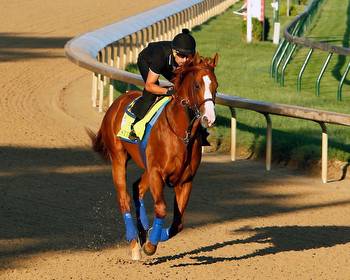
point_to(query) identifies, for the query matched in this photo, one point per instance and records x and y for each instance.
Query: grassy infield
(243, 70)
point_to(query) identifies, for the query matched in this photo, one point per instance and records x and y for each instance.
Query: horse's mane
(194, 64)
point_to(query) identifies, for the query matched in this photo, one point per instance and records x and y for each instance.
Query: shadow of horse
(277, 240)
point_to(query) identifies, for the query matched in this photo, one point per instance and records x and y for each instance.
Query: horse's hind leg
(140, 187)
(119, 160)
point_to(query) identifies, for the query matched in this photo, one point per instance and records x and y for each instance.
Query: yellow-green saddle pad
(140, 126)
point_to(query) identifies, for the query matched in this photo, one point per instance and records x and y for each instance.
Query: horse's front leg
(140, 187)
(182, 195)
(157, 185)
(123, 198)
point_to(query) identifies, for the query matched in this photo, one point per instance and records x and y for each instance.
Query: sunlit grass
(243, 71)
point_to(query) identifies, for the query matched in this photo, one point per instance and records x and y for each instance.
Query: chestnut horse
(172, 155)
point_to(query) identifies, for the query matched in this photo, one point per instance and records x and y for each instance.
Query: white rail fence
(108, 50)
(117, 45)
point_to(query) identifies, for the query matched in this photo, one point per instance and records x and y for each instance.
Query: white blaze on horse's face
(209, 112)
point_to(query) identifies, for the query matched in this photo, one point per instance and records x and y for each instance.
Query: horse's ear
(215, 60)
(196, 59)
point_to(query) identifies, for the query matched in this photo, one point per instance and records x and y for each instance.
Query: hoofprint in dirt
(242, 223)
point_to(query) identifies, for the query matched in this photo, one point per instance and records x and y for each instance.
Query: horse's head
(196, 84)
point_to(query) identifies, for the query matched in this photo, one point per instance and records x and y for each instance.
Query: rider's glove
(170, 91)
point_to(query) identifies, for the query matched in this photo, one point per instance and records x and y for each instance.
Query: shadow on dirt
(17, 47)
(58, 199)
(277, 240)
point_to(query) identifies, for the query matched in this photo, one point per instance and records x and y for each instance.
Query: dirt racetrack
(58, 218)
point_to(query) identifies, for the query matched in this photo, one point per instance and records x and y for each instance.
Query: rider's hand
(170, 91)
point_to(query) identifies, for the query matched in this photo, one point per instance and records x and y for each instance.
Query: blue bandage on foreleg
(156, 231)
(131, 232)
(143, 216)
(164, 236)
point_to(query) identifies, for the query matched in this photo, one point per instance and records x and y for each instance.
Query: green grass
(243, 70)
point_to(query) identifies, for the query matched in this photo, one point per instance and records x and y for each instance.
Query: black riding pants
(147, 99)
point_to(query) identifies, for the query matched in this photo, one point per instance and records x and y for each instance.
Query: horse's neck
(178, 115)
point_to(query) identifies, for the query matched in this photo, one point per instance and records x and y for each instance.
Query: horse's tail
(97, 144)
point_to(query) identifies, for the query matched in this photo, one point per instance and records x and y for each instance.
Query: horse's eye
(196, 85)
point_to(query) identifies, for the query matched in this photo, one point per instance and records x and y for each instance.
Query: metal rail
(292, 36)
(267, 109)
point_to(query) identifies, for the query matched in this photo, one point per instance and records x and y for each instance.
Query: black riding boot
(140, 109)
(142, 104)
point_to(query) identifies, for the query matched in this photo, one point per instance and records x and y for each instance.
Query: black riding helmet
(184, 43)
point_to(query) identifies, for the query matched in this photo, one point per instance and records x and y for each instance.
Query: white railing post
(172, 26)
(324, 160)
(101, 88)
(117, 55)
(149, 34)
(111, 82)
(268, 141)
(122, 53)
(168, 29)
(233, 133)
(94, 89)
(143, 41)
(129, 49)
(104, 60)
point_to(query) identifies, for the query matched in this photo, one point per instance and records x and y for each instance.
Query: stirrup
(133, 136)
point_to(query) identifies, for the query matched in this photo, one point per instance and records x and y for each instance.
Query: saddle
(145, 124)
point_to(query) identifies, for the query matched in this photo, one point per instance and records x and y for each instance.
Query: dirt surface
(58, 218)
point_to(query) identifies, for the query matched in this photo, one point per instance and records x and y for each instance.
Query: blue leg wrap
(131, 232)
(156, 231)
(143, 216)
(164, 236)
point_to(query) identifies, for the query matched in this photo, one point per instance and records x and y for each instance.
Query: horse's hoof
(149, 249)
(135, 250)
